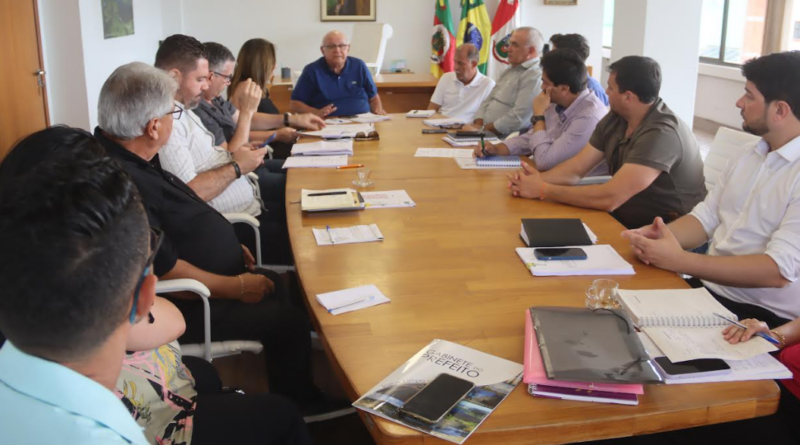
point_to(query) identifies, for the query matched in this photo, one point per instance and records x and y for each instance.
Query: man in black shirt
(136, 112)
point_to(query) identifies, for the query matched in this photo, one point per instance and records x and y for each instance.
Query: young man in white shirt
(752, 217)
(459, 93)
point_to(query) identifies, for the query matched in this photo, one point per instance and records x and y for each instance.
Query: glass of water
(362, 177)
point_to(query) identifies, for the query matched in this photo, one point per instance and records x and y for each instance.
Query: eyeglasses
(371, 136)
(342, 47)
(228, 79)
(156, 236)
(176, 114)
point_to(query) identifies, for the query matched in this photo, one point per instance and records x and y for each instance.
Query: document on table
(315, 161)
(337, 120)
(349, 300)
(421, 113)
(387, 200)
(340, 131)
(442, 123)
(443, 153)
(681, 344)
(370, 117)
(319, 148)
(347, 235)
(601, 259)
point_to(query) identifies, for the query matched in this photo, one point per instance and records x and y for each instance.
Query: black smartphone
(437, 398)
(469, 133)
(561, 253)
(433, 131)
(704, 367)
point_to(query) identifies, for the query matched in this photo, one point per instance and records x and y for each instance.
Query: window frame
(720, 59)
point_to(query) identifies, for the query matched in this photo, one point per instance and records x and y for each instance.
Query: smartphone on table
(437, 398)
(560, 253)
(433, 131)
(704, 367)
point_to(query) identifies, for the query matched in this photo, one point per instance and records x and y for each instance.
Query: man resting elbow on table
(652, 156)
(752, 216)
(565, 114)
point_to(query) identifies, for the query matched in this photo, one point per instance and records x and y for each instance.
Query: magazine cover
(494, 378)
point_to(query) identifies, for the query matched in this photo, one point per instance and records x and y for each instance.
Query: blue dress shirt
(349, 91)
(598, 90)
(42, 402)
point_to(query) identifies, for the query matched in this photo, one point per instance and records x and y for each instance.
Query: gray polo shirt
(217, 117)
(508, 106)
(662, 142)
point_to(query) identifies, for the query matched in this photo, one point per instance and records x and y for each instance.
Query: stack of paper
(443, 153)
(315, 161)
(602, 260)
(761, 367)
(366, 118)
(340, 131)
(421, 113)
(349, 300)
(387, 200)
(456, 143)
(337, 120)
(444, 123)
(347, 235)
(319, 148)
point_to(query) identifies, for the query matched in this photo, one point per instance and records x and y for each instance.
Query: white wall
(716, 97)
(296, 29)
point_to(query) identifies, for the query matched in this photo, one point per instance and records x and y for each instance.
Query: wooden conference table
(450, 269)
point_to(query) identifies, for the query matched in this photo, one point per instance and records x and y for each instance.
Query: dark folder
(542, 232)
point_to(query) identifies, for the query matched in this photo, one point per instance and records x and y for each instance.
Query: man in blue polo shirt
(336, 85)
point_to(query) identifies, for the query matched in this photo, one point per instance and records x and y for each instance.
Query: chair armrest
(234, 218)
(590, 180)
(190, 285)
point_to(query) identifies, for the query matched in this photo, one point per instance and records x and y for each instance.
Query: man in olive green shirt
(651, 153)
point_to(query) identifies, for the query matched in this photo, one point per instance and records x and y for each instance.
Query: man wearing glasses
(336, 85)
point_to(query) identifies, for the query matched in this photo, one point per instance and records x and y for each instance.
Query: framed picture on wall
(347, 10)
(117, 18)
(561, 2)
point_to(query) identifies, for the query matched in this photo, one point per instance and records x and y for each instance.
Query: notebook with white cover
(421, 113)
(499, 161)
(681, 322)
(468, 163)
(602, 260)
(332, 199)
(324, 148)
(444, 123)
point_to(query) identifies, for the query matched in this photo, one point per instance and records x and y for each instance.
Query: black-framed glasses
(228, 79)
(176, 114)
(342, 46)
(156, 236)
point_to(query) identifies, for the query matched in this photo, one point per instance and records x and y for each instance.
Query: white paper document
(347, 235)
(455, 143)
(443, 153)
(337, 120)
(387, 200)
(349, 300)
(602, 260)
(327, 148)
(315, 161)
(340, 131)
(421, 113)
(443, 123)
(365, 118)
(681, 344)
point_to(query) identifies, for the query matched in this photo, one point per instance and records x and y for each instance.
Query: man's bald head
(334, 35)
(335, 48)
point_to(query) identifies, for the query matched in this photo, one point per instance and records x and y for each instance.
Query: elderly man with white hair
(336, 84)
(459, 93)
(508, 107)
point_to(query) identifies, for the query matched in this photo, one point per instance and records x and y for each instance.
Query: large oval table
(450, 269)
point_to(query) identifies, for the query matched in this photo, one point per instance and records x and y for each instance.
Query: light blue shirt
(42, 402)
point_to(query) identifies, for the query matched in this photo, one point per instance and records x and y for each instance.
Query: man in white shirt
(459, 93)
(752, 216)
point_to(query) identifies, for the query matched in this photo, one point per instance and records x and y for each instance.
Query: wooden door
(23, 101)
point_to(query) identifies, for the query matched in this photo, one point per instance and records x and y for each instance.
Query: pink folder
(534, 368)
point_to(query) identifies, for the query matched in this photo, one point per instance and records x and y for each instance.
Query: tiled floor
(247, 371)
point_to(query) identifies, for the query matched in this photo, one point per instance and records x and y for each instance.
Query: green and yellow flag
(476, 28)
(443, 40)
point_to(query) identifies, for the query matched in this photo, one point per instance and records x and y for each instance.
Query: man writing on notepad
(565, 114)
(752, 217)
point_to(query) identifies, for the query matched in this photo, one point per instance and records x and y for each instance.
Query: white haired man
(459, 93)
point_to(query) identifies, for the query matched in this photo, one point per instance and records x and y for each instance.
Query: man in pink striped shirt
(564, 116)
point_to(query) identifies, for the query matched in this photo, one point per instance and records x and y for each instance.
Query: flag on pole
(506, 20)
(475, 28)
(443, 41)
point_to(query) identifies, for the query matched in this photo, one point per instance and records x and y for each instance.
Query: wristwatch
(236, 169)
(536, 119)
(286, 119)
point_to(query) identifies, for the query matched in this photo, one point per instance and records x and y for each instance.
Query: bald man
(459, 93)
(335, 84)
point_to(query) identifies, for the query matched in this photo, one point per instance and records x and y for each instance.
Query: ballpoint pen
(760, 334)
(369, 298)
(343, 167)
(269, 139)
(330, 235)
(483, 144)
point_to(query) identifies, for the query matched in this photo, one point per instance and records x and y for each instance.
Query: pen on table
(269, 139)
(341, 192)
(351, 303)
(342, 167)
(330, 235)
(760, 334)
(483, 144)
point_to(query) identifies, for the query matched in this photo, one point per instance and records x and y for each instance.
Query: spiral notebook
(498, 161)
(681, 322)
